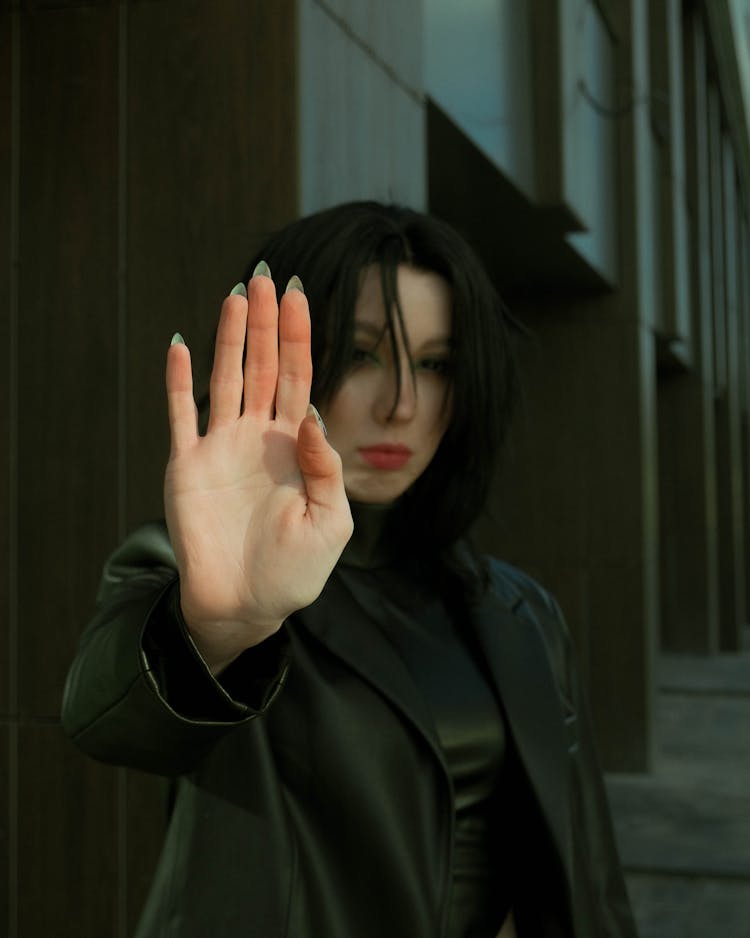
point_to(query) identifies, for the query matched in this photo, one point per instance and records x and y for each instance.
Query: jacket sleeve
(599, 883)
(138, 692)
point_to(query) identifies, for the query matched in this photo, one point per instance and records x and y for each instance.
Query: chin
(369, 497)
(376, 492)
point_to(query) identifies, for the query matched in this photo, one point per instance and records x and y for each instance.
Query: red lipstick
(386, 455)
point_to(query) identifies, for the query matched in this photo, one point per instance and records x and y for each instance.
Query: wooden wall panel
(7, 610)
(585, 363)
(731, 495)
(687, 465)
(7, 616)
(67, 335)
(718, 298)
(157, 145)
(146, 812)
(211, 127)
(210, 142)
(67, 839)
(7, 879)
(42, 5)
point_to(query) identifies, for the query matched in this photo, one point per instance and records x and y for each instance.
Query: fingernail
(177, 339)
(312, 409)
(262, 270)
(239, 290)
(294, 284)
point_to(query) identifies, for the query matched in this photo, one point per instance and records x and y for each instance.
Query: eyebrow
(370, 327)
(377, 332)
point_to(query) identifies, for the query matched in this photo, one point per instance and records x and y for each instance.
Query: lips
(386, 455)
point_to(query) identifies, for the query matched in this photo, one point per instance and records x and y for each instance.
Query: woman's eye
(362, 356)
(440, 366)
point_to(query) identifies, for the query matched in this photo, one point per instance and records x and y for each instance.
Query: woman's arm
(257, 517)
(138, 692)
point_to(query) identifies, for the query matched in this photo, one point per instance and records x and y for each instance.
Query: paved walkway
(684, 831)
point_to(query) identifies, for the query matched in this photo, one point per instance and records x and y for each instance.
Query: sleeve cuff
(182, 678)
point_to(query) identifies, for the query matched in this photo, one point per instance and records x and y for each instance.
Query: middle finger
(262, 359)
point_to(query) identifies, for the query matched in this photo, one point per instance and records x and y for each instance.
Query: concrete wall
(361, 105)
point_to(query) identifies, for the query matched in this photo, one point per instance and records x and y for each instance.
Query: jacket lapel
(517, 658)
(353, 635)
(518, 663)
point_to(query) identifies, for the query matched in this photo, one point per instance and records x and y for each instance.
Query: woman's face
(386, 444)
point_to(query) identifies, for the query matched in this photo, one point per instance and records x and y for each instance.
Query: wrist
(215, 664)
(219, 643)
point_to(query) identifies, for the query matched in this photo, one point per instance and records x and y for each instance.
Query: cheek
(439, 410)
(352, 397)
(341, 416)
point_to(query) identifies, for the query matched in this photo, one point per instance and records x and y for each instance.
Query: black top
(468, 719)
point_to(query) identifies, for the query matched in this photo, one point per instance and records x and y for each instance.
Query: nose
(394, 404)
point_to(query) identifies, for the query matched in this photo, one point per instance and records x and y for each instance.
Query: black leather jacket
(322, 809)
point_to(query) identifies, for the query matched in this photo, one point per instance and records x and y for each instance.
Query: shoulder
(516, 588)
(532, 602)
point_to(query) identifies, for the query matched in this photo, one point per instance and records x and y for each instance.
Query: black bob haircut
(328, 251)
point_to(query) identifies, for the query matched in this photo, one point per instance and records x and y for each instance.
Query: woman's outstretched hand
(256, 508)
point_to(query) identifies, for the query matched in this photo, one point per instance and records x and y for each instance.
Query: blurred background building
(596, 153)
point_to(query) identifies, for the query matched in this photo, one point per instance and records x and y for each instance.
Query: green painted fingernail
(262, 270)
(177, 339)
(239, 290)
(312, 410)
(294, 284)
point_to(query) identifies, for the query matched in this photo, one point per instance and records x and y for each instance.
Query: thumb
(320, 464)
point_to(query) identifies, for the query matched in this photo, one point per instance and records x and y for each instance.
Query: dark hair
(328, 250)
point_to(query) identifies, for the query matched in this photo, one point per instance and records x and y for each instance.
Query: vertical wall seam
(122, 415)
(13, 527)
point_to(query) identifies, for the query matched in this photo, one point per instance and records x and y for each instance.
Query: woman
(379, 737)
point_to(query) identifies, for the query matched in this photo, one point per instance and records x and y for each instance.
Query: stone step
(685, 907)
(684, 830)
(681, 828)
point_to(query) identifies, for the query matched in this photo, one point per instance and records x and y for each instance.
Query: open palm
(256, 508)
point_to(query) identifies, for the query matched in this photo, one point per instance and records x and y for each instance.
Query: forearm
(138, 692)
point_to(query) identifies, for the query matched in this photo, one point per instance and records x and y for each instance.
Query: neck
(368, 546)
